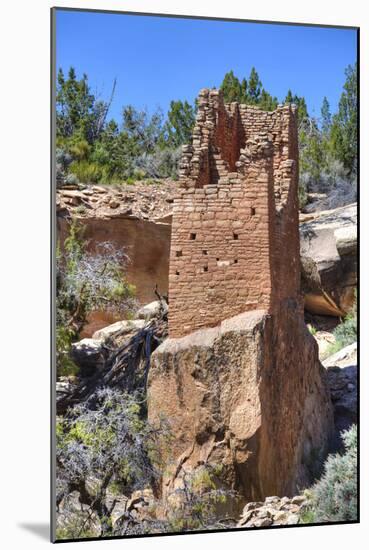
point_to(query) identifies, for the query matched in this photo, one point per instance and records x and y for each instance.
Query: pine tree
(267, 102)
(302, 112)
(243, 91)
(76, 108)
(326, 117)
(232, 88)
(344, 125)
(254, 87)
(181, 120)
(289, 97)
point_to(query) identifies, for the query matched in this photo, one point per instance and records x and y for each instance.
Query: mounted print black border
(53, 232)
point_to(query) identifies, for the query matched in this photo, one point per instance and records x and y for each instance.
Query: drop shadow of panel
(42, 530)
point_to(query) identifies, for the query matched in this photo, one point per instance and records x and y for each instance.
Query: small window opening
(205, 252)
(217, 259)
(253, 211)
(192, 236)
(235, 236)
(178, 253)
(206, 268)
(177, 272)
(236, 261)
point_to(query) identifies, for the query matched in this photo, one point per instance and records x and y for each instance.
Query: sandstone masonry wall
(235, 242)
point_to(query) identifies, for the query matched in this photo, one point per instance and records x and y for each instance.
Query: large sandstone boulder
(119, 328)
(328, 242)
(250, 395)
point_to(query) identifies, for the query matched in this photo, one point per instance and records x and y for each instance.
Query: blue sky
(157, 59)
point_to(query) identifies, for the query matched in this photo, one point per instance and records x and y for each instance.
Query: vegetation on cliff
(93, 149)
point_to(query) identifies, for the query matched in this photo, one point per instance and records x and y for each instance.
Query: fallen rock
(64, 387)
(280, 518)
(298, 499)
(245, 518)
(263, 522)
(120, 327)
(273, 511)
(346, 239)
(89, 355)
(271, 500)
(292, 519)
(251, 506)
(113, 203)
(342, 358)
(151, 310)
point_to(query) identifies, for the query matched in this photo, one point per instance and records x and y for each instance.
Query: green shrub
(79, 149)
(334, 496)
(81, 209)
(346, 332)
(71, 178)
(87, 172)
(130, 181)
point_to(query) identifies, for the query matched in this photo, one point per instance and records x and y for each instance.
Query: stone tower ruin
(235, 242)
(239, 377)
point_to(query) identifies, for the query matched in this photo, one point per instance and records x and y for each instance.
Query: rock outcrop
(89, 355)
(153, 309)
(273, 511)
(144, 201)
(137, 224)
(249, 395)
(329, 260)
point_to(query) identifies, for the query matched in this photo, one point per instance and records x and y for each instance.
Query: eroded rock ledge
(329, 260)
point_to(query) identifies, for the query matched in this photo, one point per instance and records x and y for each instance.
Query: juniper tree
(181, 120)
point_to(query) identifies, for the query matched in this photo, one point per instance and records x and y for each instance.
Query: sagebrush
(334, 497)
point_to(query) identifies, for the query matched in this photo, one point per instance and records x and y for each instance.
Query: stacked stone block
(235, 218)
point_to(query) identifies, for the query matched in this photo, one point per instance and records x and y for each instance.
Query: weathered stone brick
(240, 165)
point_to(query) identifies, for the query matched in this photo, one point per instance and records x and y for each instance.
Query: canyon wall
(147, 245)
